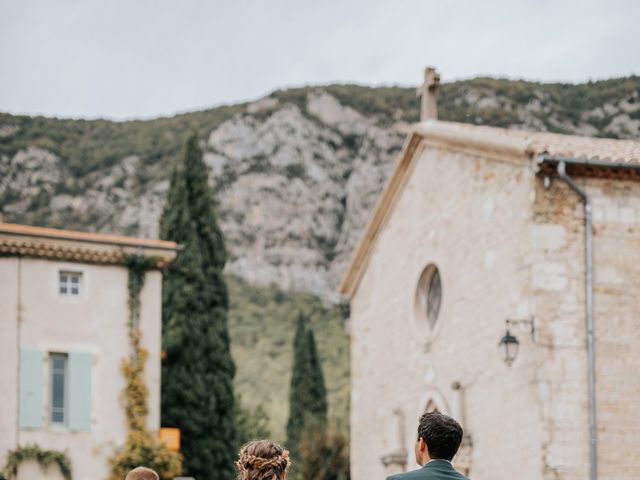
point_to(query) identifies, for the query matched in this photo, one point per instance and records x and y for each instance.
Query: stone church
(498, 281)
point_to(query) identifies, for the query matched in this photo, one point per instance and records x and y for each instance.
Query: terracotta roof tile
(16, 229)
(604, 149)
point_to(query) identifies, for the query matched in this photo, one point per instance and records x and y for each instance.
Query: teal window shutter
(31, 387)
(80, 391)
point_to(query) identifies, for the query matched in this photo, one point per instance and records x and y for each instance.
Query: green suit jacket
(434, 470)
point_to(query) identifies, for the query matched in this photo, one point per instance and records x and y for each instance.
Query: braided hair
(263, 460)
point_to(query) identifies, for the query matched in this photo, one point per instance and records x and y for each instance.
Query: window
(70, 283)
(429, 295)
(58, 388)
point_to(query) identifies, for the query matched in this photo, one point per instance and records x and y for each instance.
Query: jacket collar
(437, 463)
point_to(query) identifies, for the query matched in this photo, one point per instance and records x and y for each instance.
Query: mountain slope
(262, 324)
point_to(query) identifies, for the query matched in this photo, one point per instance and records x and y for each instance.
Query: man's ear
(422, 445)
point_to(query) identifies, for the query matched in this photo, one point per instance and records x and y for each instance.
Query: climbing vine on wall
(141, 446)
(43, 457)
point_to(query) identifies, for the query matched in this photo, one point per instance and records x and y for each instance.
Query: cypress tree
(318, 406)
(197, 370)
(300, 386)
(308, 395)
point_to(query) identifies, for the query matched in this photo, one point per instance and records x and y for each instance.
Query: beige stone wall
(8, 354)
(95, 323)
(470, 216)
(559, 292)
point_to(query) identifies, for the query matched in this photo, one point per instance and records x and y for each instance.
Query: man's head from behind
(142, 473)
(439, 438)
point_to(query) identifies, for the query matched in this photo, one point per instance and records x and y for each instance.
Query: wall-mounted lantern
(509, 343)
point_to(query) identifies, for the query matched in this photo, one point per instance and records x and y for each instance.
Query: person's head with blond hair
(142, 473)
(263, 460)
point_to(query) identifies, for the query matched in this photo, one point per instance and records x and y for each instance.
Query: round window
(429, 295)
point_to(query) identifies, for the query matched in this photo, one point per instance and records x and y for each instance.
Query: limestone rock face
(293, 190)
(295, 182)
(285, 188)
(28, 179)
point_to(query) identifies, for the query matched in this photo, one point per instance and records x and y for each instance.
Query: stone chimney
(429, 92)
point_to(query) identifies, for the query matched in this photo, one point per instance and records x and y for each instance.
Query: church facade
(473, 291)
(63, 336)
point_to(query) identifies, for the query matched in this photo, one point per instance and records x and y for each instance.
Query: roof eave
(15, 229)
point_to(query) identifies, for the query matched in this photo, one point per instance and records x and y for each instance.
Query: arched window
(429, 295)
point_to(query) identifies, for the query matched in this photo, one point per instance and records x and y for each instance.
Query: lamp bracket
(523, 321)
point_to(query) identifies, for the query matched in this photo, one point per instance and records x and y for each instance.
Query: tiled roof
(72, 246)
(603, 149)
(28, 230)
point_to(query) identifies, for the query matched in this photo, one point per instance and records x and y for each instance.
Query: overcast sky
(144, 58)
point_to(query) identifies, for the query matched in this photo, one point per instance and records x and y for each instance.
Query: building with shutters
(63, 335)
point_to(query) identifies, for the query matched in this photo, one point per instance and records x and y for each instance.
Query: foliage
(137, 265)
(87, 145)
(43, 457)
(141, 447)
(318, 395)
(251, 424)
(197, 372)
(568, 101)
(300, 389)
(262, 324)
(307, 395)
(324, 456)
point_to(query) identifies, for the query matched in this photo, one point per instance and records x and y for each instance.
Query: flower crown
(252, 462)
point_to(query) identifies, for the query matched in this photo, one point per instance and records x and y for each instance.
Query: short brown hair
(262, 460)
(142, 473)
(441, 433)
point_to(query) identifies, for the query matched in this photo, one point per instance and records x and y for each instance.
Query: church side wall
(559, 291)
(470, 216)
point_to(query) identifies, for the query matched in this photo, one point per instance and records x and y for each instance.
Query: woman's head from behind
(263, 460)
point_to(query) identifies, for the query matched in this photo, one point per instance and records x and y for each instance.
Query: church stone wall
(472, 217)
(559, 305)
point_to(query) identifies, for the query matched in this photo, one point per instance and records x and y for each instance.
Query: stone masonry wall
(559, 307)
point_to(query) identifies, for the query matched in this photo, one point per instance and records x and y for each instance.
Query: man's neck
(437, 460)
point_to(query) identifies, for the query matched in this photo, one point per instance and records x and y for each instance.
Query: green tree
(307, 396)
(142, 447)
(197, 371)
(252, 424)
(318, 398)
(324, 455)
(300, 388)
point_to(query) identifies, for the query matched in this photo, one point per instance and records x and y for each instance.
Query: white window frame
(65, 405)
(68, 284)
